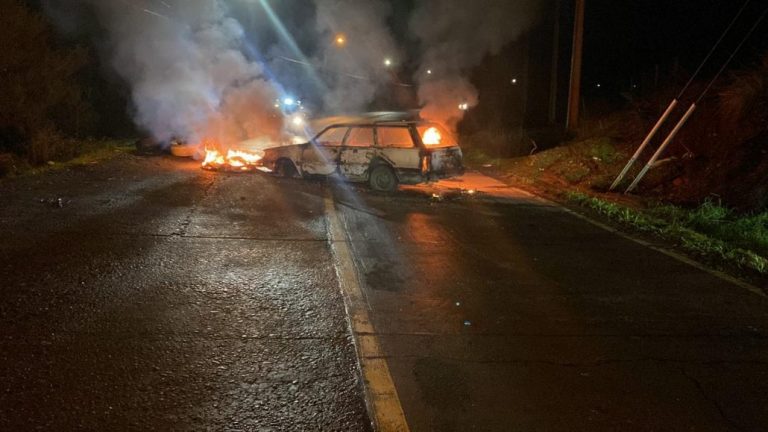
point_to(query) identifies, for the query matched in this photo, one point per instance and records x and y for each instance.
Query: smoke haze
(355, 70)
(455, 36)
(184, 62)
(214, 69)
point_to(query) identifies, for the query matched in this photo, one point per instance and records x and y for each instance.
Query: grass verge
(89, 152)
(710, 231)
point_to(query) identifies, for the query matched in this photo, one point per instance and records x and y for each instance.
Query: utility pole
(574, 96)
(553, 84)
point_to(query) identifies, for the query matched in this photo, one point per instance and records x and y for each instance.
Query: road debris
(55, 202)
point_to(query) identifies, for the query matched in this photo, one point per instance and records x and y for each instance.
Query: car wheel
(383, 179)
(285, 168)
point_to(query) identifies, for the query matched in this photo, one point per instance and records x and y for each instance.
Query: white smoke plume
(188, 75)
(455, 36)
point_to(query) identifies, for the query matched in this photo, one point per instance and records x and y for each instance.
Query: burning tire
(383, 179)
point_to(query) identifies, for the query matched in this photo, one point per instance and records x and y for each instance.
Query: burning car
(383, 150)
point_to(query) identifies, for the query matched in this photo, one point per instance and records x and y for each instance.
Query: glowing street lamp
(288, 101)
(387, 62)
(340, 40)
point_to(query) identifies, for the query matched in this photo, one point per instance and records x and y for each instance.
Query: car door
(321, 155)
(395, 144)
(357, 153)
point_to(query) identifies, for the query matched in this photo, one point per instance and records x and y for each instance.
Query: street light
(387, 62)
(340, 40)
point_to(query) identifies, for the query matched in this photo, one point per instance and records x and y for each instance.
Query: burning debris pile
(231, 160)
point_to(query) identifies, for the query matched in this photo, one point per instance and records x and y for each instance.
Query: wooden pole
(553, 73)
(574, 97)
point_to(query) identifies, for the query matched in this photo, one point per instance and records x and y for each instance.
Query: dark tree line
(51, 89)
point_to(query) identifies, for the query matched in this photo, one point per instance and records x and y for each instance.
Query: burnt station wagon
(381, 152)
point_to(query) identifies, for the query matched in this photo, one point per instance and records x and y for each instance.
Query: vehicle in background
(382, 149)
(181, 149)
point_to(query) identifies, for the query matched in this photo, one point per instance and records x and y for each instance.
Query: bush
(38, 84)
(6, 164)
(497, 143)
(47, 144)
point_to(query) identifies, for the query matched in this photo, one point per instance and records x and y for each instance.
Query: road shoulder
(382, 399)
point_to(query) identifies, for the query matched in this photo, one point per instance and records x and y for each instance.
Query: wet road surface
(514, 315)
(164, 297)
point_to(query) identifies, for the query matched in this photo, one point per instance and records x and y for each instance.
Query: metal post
(661, 149)
(574, 98)
(645, 143)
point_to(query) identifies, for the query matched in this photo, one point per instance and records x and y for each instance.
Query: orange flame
(432, 136)
(234, 159)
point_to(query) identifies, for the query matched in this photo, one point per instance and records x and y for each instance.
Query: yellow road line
(381, 396)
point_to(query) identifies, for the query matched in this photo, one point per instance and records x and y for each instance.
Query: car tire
(285, 168)
(383, 179)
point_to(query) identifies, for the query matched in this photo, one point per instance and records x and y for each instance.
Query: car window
(360, 137)
(332, 137)
(397, 137)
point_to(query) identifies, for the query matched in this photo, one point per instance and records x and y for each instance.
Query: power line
(714, 48)
(733, 55)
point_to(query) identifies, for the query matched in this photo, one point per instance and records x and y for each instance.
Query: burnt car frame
(383, 153)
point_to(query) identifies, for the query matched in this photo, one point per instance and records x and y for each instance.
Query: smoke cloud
(185, 64)
(213, 69)
(455, 36)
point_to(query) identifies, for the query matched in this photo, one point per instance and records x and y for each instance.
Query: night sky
(625, 40)
(626, 43)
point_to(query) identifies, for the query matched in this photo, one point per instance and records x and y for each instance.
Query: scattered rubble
(55, 202)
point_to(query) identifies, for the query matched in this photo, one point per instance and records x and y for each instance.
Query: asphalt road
(164, 297)
(514, 315)
(160, 296)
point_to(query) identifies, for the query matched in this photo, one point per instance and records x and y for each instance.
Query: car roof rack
(369, 119)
